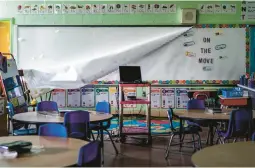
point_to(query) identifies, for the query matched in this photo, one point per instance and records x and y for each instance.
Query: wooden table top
(46, 152)
(34, 117)
(203, 114)
(240, 154)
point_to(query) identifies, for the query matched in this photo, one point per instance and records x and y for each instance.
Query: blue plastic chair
(104, 107)
(77, 124)
(56, 130)
(90, 155)
(47, 106)
(17, 128)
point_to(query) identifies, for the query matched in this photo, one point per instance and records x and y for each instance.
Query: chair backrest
(170, 114)
(240, 122)
(196, 104)
(47, 106)
(56, 130)
(77, 122)
(90, 155)
(103, 107)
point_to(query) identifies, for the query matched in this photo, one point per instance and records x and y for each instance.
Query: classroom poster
(87, 97)
(181, 97)
(102, 95)
(73, 98)
(12, 69)
(129, 91)
(113, 96)
(59, 96)
(168, 96)
(155, 97)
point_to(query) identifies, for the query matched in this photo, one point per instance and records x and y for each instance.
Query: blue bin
(235, 92)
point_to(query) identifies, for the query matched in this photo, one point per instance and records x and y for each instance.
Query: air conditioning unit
(189, 16)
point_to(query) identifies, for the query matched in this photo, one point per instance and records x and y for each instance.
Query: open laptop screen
(130, 74)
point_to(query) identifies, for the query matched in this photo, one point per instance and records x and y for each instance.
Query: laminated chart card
(113, 96)
(102, 95)
(182, 97)
(168, 96)
(59, 96)
(73, 98)
(129, 91)
(87, 97)
(155, 97)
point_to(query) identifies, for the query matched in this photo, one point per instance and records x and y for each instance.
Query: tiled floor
(134, 155)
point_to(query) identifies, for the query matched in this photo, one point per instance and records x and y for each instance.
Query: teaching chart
(73, 98)
(87, 97)
(129, 91)
(181, 97)
(59, 96)
(168, 96)
(155, 98)
(102, 95)
(113, 96)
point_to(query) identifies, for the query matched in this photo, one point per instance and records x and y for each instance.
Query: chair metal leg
(199, 141)
(194, 142)
(93, 137)
(110, 136)
(183, 136)
(169, 145)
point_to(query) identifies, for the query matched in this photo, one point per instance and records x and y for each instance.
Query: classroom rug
(157, 126)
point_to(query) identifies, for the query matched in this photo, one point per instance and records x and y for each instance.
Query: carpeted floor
(157, 126)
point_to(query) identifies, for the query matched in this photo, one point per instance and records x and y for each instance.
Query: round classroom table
(203, 115)
(240, 154)
(40, 118)
(45, 152)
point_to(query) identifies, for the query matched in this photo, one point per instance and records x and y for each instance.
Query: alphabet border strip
(183, 82)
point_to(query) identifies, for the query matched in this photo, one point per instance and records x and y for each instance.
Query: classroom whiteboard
(79, 55)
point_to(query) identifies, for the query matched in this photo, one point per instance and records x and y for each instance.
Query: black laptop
(130, 74)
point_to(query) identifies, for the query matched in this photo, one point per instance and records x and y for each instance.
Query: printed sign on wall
(113, 96)
(102, 95)
(87, 97)
(155, 97)
(168, 96)
(73, 98)
(181, 98)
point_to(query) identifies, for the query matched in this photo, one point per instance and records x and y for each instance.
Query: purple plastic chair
(90, 155)
(77, 124)
(239, 126)
(196, 104)
(47, 106)
(52, 129)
